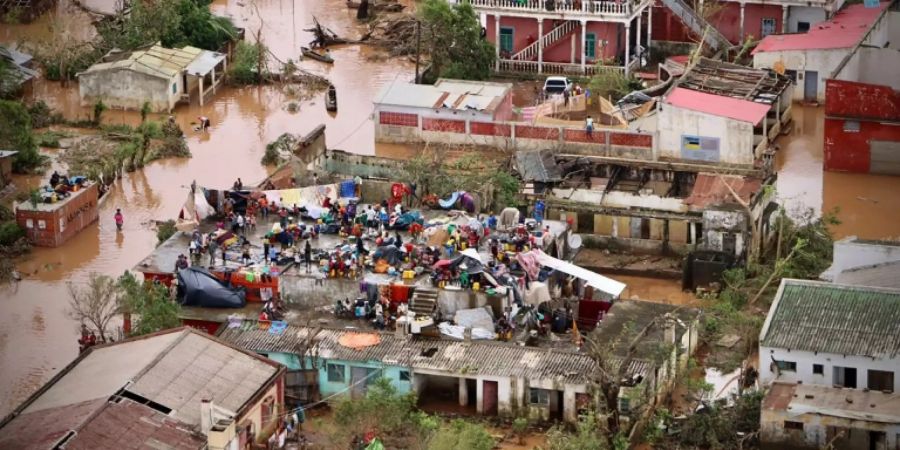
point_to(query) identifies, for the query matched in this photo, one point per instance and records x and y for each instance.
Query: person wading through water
(120, 220)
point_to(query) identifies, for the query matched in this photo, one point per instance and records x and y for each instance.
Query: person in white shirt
(589, 125)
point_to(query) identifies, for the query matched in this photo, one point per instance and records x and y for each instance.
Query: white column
(201, 91)
(463, 392)
(639, 33)
(583, 43)
(784, 18)
(742, 23)
(540, 45)
(214, 79)
(649, 29)
(497, 41)
(627, 46)
(692, 239)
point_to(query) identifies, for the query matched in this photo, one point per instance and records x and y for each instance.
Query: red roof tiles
(709, 189)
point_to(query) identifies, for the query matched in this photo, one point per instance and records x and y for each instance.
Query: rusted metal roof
(129, 425)
(451, 357)
(198, 367)
(832, 318)
(843, 30)
(41, 430)
(627, 318)
(709, 190)
(852, 404)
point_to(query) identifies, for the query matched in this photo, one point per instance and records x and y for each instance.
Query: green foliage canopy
(456, 46)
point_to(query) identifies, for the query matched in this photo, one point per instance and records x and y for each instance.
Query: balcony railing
(552, 68)
(564, 7)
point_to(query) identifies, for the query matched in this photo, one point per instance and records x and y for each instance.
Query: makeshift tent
(474, 318)
(198, 287)
(194, 210)
(597, 281)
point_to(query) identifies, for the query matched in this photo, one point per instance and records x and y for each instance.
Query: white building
(450, 110)
(722, 113)
(810, 58)
(157, 75)
(865, 263)
(805, 416)
(832, 335)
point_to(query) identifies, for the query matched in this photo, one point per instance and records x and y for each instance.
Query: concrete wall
(621, 199)
(392, 373)
(805, 360)
(728, 22)
(850, 253)
(48, 226)
(299, 288)
(128, 89)
(735, 137)
(809, 14)
(254, 413)
(815, 433)
(562, 50)
(717, 224)
(507, 135)
(822, 61)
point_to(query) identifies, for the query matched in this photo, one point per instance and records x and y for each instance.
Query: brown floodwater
(867, 205)
(36, 336)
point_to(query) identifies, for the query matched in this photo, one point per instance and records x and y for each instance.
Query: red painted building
(52, 224)
(862, 104)
(565, 36)
(862, 127)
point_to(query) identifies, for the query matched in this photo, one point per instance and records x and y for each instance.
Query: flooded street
(867, 205)
(37, 338)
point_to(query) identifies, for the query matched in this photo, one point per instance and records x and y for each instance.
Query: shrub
(165, 230)
(10, 232)
(461, 434)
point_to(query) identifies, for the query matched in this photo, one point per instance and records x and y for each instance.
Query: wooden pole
(418, 47)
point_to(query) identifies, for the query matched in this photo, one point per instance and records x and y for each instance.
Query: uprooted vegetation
(122, 148)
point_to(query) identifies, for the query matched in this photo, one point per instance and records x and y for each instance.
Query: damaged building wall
(789, 429)
(725, 230)
(696, 136)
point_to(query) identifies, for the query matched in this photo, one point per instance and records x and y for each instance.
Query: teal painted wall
(392, 373)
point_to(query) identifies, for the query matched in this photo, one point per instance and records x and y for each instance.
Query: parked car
(557, 85)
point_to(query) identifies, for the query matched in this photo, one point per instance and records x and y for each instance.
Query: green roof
(834, 318)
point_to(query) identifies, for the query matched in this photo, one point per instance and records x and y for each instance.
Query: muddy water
(655, 290)
(868, 205)
(36, 336)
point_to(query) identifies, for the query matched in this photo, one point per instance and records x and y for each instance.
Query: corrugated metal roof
(198, 368)
(886, 275)
(40, 430)
(631, 316)
(538, 165)
(843, 30)
(709, 189)
(204, 63)
(129, 425)
(718, 105)
(833, 318)
(155, 61)
(450, 94)
(452, 357)
(854, 404)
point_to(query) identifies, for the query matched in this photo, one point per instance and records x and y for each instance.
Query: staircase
(698, 25)
(423, 302)
(530, 52)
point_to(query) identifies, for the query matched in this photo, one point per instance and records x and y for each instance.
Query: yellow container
(409, 274)
(476, 286)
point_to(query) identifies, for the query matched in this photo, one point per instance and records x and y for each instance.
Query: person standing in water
(120, 220)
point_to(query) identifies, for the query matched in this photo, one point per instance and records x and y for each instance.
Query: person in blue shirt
(539, 212)
(492, 222)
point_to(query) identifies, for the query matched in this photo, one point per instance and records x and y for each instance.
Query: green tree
(460, 434)
(15, 134)
(454, 41)
(173, 23)
(150, 304)
(586, 436)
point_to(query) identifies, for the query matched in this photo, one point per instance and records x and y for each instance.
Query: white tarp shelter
(593, 279)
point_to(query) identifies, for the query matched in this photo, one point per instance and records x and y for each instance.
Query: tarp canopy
(198, 287)
(474, 318)
(593, 279)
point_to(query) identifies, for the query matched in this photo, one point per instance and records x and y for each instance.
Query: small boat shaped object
(331, 98)
(318, 56)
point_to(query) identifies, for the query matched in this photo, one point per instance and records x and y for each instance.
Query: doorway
(810, 86)
(490, 392)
